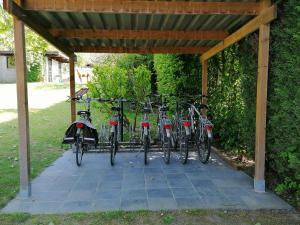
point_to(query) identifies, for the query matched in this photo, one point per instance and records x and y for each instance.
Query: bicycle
(82, 133)
(145, 129)
(116, 123)
(164, 130)
(182, 127)
(203, 131)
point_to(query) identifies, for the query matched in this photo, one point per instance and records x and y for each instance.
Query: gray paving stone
(133, 184)
(45, 207)
(76, 206)
(107, 204)
(159, 193)
(130, 185)
(157, 184)
(184, 192)
(198, 183)
(179, 183)
(113, 193)
(162, 203)
(49, 195)
(189, 203)
(134, 204)
(133, 194)
(108, 183)
(81, 195)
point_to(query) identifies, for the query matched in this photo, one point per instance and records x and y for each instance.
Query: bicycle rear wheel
(166, 145)
(79, 151)
(183, 149)
(204, 148)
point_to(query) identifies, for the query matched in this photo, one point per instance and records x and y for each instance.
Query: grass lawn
(188, 217)
(47, 127)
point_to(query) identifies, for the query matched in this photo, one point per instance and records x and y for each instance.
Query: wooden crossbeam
(145, 7)
(266, 16)
(139, 34)
(17, 11)
(142, 50)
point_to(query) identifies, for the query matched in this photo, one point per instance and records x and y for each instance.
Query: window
(10, 62)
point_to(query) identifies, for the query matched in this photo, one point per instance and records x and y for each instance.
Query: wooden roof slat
(138, 34)
(142, 50)
(266, 16)
(145, 7)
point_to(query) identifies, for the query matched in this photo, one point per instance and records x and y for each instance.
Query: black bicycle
(82, 133)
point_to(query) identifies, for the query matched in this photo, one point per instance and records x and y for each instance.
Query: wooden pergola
(142, 26)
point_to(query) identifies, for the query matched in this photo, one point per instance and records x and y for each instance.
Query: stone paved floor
(129, 185)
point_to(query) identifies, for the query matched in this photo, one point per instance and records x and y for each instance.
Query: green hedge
(232, 87)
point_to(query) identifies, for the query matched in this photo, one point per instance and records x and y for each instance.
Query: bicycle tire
(79, 152)
(204, 148)
(113, 148)
(167, 149)
(183, 149)
(146, 149)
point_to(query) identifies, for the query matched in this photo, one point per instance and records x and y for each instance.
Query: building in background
(7, 67)
(54, 69)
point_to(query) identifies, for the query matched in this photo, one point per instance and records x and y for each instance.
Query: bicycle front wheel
(204, 148)
(183, 149)
(146, 148)
(113, 148)
(167, 143)
(79, 151)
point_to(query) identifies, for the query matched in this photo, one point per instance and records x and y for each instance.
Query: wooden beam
(72, 88)
(204, 83)
(261, 104)
(14, 9)
(266, 16)
(145, 7)
(23, 119)
(142, 50)
(139, 34)
(204, 80)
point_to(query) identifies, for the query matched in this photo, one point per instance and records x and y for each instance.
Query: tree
(36, 46)
(141, 87)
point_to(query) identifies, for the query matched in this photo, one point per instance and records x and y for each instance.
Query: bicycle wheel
(204, 147)
(79, 151)
(113, 148)
(183, 148)
(146, 148)
(167, 149)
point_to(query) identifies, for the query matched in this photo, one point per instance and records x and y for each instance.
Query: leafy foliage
(283, 137)
(34, 72)
(109, 81)
(232, 91)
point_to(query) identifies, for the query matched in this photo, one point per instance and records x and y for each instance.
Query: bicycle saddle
(115, 108)
(164, 108)
(146, 110)
(83, 112)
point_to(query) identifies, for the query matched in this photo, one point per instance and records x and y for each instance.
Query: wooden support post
(23, 119)
(204, 83)
(72, 89)
(261, 103)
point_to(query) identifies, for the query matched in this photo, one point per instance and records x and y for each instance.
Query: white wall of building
(7, 75)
